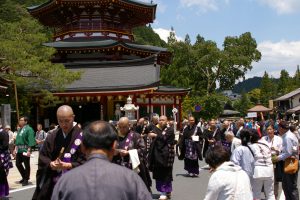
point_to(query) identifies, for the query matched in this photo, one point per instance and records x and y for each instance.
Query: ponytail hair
(246, 135)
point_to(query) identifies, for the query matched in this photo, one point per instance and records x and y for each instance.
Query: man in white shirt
(289, 148)
(235, 142)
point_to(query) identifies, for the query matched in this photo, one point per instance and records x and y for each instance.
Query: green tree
(296, 78)
(237, 57)
(242, 105)
(285, 83)
(266, 90)
(212, 106)
(146, 35)
(203, 64)
(28, 61)
(187, 39)
(254, 96)
(177, 73)
(172, 37)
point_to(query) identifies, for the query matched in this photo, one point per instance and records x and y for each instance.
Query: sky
(274, 24)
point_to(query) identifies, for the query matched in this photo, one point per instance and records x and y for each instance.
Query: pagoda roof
(78, 2)
(51, 12)
(76, 44)
(92, 44)
(115, 75)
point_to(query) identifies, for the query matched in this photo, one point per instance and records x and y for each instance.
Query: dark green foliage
(212, 105)
(285, 83)
(28, 61)
(146, 35)
(254, 96)
(296, 78)
(201, 65)
(267, 90)
(247, 85)
(242, 105)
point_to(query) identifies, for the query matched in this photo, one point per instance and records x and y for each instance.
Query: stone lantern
(130, 109)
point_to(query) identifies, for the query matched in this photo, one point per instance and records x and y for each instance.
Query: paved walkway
(14, 175)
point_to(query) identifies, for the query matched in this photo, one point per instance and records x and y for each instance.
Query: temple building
(96, 38)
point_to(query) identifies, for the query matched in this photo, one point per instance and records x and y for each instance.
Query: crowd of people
(246, 158)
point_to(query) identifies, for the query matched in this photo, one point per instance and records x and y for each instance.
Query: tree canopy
(201, 65)
(26, 60)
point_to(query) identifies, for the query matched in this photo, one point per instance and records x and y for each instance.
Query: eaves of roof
(102, 44)
(288, 95)
(53, 2)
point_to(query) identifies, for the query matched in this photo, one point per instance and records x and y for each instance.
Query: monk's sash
(68, 155)
(126, 147)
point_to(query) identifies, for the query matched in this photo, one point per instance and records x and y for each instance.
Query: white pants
(267, 183)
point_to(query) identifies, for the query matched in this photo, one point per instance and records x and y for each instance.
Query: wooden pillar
(179, 113)
(110, 108)
(149, 104)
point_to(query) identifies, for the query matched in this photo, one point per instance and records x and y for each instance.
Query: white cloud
(276, 57)
(164, 34)
(283, 6)
(204, 5)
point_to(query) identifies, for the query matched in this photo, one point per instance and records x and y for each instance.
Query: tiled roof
(288, 95)
(259, 108)
(70, 44)
(294, 110)
(136, 2)
(114, 75)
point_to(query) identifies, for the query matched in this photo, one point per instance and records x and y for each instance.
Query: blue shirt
(243, 157)
(289, 146)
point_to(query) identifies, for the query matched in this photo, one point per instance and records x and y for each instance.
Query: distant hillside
(247, 85)
(146, 35)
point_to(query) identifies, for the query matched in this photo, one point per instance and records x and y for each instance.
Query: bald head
(124, 121)
(123, 125)
(64, 110)
(65, 118)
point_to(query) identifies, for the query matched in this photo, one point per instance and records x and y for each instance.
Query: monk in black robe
(212, 136)
(161, 157)
(191, 147)
(128, 141)
(61, 152)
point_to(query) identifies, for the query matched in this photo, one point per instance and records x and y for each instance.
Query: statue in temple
(118, 113)
(130, 109)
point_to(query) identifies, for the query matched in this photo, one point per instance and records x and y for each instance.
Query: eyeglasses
(66, 121)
